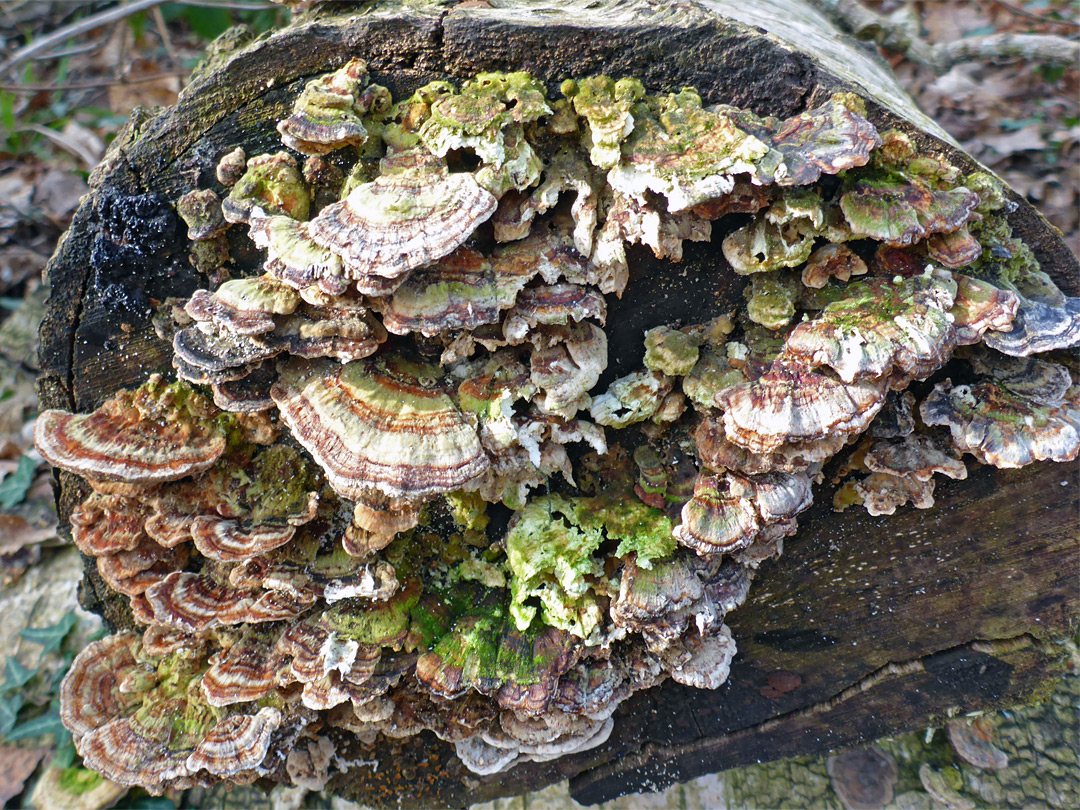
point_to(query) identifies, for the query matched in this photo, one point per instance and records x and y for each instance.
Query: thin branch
(49, 88)
(866, 24)
(89, 159)
(1019, 11)
(83, 26)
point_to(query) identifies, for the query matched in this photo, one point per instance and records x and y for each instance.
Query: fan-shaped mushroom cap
(131, 572)
(606, 105)
(326, 115)
(402, 221)
(201, 211)
(943, 794)
(486, 652)
(778, 496)
(831, 261)
(230, 541)
(459, 292)
(1040, 380)
(293, 258)
(973, 741)
(1002, 428)
(633, 398)
(715, 520)
(131, 752)
(671, 351)
(107, 524)
(90, 694)
(244, 306)
(230, 167)
(980, 306)
(237, 743)
(384, 425)
(880, 325)
(1038, 327)
(901, 213)
(646, 594)
(683, 152)
(552, 304)
(384, 517)
(787, 405)
(341, 328)
(271, 183)
(194, 603)
(566, 371)
(824, 140)
(863, 778)
(954, 250)
(215, 358)
(250, 394)
(705, 661)
(156, 433)
(882, 493)
(772, 298)
(718, 454)
(915, 456)
(710, 375)
(242, 673)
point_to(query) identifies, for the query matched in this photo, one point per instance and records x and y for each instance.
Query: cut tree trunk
(884, 623)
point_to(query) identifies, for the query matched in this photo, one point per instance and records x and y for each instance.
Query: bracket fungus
(418, 496)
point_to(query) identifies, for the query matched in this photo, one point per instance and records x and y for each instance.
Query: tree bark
(889, 623)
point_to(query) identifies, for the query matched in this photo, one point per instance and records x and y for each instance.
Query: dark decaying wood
(884, 623)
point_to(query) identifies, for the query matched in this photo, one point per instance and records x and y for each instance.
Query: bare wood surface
(889, 623)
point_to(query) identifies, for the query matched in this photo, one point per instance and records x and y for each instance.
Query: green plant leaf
(48, 723)
(65, 754)
(50, 638)
(16, 675)
(9, 711)
(13, 488)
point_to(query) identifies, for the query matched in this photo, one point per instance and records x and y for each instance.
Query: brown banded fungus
(310, 556)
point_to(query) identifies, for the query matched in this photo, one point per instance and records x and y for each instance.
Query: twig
(1019, 11)
(72, 51)
(75, 148)
(166, 40)
(82, 26)
(48, 88)
(866, 24)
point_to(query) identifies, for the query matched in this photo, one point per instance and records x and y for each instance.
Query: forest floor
(58, 112)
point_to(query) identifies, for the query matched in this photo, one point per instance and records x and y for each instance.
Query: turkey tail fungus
(449, 451)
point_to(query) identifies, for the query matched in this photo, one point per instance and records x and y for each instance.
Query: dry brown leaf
(1022, 140)
(16, 765)
(58, 192)
(17, 533)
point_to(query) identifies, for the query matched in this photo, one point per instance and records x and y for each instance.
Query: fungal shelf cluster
(387, 491)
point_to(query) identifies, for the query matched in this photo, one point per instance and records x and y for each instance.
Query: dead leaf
(1022, 140)
(19, 331)
(16, 193)
(16, 766)
(17, 533)
(58, 192)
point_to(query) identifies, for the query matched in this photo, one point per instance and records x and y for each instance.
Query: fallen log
(867, 625)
